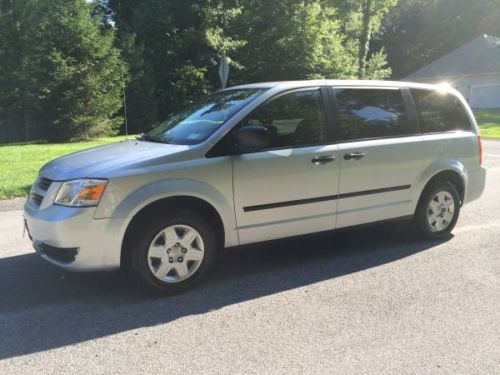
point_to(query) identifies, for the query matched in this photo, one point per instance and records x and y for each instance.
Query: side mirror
(252, 138)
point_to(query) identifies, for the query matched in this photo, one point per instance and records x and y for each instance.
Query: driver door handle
(354, 156)
(323, 159)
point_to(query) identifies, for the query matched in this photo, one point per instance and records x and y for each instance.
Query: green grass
(489, 123)
(20, 163)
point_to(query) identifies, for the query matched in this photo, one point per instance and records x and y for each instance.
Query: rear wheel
(438, 210)
(171, 252)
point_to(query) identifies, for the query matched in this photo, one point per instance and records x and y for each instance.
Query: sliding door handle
(354, 156)
(323, 159)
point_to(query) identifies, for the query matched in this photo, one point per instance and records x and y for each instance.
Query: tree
(372, 12)
(61, 73)
(289, 39)
(62, 64)
(19, 69)
(173, 48)
(173, 51)
(361, 24)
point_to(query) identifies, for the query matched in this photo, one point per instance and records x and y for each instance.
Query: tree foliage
(61, 76)
(172, 50)
(63, 63)
(288, 39)
(372, 12)
(173, 47)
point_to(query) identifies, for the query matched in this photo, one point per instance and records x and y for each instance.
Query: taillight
(480, 147)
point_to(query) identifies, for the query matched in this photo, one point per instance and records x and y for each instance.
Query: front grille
(38, 190)
(60, 254)
(44, 183)
(36, 198)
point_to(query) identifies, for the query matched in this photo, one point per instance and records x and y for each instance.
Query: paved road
(352, 302)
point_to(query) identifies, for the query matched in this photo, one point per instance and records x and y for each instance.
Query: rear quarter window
(370, 113)
(440, 112)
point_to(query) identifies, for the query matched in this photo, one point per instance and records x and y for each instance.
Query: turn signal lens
(81, 193)
(91, 193)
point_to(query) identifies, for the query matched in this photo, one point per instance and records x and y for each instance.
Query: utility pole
(125, 106)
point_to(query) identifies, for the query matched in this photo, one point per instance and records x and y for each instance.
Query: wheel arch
(186, 202)
(451, 175)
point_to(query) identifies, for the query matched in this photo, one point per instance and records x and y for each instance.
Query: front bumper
(72, 239)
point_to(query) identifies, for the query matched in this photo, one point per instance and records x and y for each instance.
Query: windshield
(200, 120)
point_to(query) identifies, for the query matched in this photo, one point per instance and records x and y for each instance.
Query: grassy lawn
(19, 164)
(489, 122)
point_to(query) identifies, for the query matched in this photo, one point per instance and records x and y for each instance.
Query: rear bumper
(72, 239)
(475, 184)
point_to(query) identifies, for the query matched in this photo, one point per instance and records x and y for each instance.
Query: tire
(433, 218)
(158, 244)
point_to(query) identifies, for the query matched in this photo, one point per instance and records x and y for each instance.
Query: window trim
(411, 125)
(325, 112)
(411, 112)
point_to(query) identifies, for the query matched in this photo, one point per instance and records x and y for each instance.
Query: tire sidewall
(429, 193)
(147, 231)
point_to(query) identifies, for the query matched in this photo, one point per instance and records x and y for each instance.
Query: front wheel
(171, 252)
(438, 210)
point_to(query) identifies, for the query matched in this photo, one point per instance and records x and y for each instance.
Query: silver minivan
(255, 163)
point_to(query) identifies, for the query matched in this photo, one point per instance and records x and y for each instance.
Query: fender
(150, 193)
(438, 166)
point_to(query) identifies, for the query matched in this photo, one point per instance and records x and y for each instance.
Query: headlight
(80, 193)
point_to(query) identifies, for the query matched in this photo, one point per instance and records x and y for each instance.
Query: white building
(473, 69)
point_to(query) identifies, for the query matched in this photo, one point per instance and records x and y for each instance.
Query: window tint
(439, 112)
(371, 113)
(293, 120)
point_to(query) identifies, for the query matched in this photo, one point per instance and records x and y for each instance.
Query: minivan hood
(103, 161)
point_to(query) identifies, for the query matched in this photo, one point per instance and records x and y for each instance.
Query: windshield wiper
(150, 138)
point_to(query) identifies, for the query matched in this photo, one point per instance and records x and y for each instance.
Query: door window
(293, 120)
(371, 113)
(439, 112)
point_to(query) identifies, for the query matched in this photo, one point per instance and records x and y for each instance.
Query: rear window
(440, 112)
(371, 113)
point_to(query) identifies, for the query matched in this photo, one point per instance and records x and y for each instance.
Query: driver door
(291, 187)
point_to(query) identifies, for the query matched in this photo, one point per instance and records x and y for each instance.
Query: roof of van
(327, 82)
